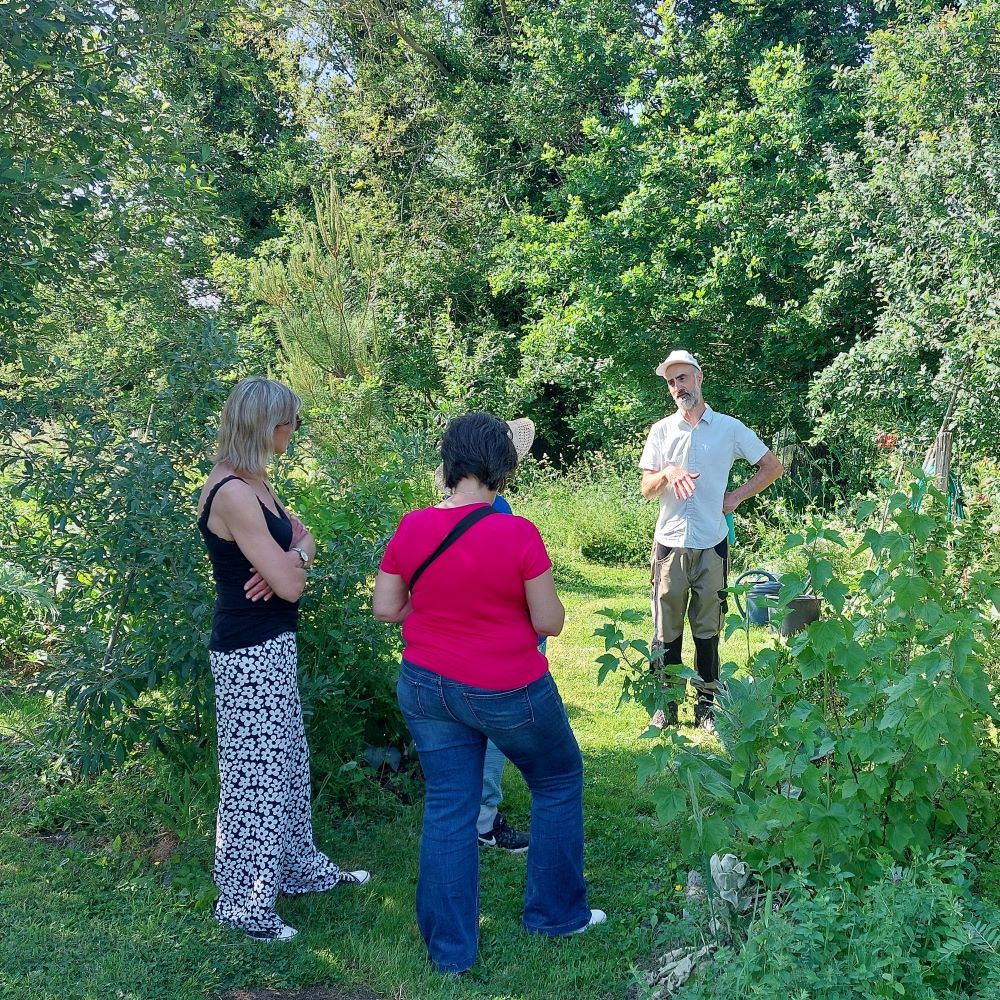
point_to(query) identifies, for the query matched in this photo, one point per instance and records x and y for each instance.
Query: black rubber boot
(704, 715)
(706, 662)
(663, 656)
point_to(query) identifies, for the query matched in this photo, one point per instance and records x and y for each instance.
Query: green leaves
(81, 109)
(929, 132)
(671, 803)
(909, 591)
(608, 663)
(854, 739)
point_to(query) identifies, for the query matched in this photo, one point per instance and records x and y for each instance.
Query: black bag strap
(453, 536)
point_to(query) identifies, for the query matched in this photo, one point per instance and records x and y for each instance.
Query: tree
(689, 224)
(920, 201)
(436, 124)
(92, 159)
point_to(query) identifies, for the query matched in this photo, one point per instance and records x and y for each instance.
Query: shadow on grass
(310, 993)
(571, 580)
(575, 713)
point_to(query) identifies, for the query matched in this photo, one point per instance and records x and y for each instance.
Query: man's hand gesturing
(680, 481)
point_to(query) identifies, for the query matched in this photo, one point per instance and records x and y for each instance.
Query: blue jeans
(450, 723)
(489, 806)
(492, 776)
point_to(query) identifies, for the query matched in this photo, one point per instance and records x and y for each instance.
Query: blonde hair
(255, 407)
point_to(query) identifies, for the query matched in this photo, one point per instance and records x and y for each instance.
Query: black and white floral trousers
(264, 839)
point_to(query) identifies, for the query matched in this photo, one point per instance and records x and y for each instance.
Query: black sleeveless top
(240, 622)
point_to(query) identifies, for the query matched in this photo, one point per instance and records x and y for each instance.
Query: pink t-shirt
(470, 618)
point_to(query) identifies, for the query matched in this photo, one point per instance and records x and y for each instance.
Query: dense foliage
(869, 734)
(918, 202)
(853, 758)
(917, 933)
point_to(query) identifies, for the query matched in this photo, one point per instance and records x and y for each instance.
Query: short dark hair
(480, 445)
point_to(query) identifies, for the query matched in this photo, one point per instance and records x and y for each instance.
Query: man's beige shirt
(709, 448)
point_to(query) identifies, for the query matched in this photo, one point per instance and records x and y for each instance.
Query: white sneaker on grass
(328, 882)
(596, 917)
(358, 877)
(283, 933)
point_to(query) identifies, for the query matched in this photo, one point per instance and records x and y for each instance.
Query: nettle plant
(867, 737)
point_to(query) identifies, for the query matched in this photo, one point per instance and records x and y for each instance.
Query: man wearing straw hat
(492, 825)
(686, 464)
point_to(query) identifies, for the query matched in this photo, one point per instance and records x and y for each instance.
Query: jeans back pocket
(500, 710)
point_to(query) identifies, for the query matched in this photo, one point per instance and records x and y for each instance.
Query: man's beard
(690, 401)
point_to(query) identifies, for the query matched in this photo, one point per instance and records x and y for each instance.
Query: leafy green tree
(437, 124)
(690, 224)
(240, 79)
(919, 200)
(114, 359)
(93, 159)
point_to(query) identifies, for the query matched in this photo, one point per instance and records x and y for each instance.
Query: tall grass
(595, 511)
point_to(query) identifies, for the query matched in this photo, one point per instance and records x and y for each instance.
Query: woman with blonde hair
(259, 554)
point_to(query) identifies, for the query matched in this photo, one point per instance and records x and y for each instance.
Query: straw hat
(522, 432)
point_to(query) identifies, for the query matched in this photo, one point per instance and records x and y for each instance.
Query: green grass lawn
(92, 910)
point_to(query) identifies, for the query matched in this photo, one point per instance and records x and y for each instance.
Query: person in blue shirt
(492, 825)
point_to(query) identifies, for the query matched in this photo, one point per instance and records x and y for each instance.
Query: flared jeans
(450, 723)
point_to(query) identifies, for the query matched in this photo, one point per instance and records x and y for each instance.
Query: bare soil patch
(163, 847)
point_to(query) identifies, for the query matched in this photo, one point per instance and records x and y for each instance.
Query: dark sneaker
(504, 836)
(704, 716)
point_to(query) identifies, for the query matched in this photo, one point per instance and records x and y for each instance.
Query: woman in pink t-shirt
(472, 671)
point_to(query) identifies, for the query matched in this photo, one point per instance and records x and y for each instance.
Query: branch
(122, 604)
(505, 17)
(29, 82)
(405, 35)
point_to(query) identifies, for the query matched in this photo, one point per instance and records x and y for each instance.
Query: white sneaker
(284, 933)
(596, 917)
(358, 877)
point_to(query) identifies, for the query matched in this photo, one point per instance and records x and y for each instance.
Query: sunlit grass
(93, 917)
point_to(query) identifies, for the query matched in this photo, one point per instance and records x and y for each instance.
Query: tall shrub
(919, 200)
(100, 504)
(870, 734)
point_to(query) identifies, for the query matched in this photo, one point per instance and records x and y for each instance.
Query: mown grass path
(89, 918)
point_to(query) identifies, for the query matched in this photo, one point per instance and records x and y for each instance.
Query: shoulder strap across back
(456, 532)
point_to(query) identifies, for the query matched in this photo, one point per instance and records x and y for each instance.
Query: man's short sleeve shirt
(709, 448)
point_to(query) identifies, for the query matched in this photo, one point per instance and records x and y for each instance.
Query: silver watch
(302, 554)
